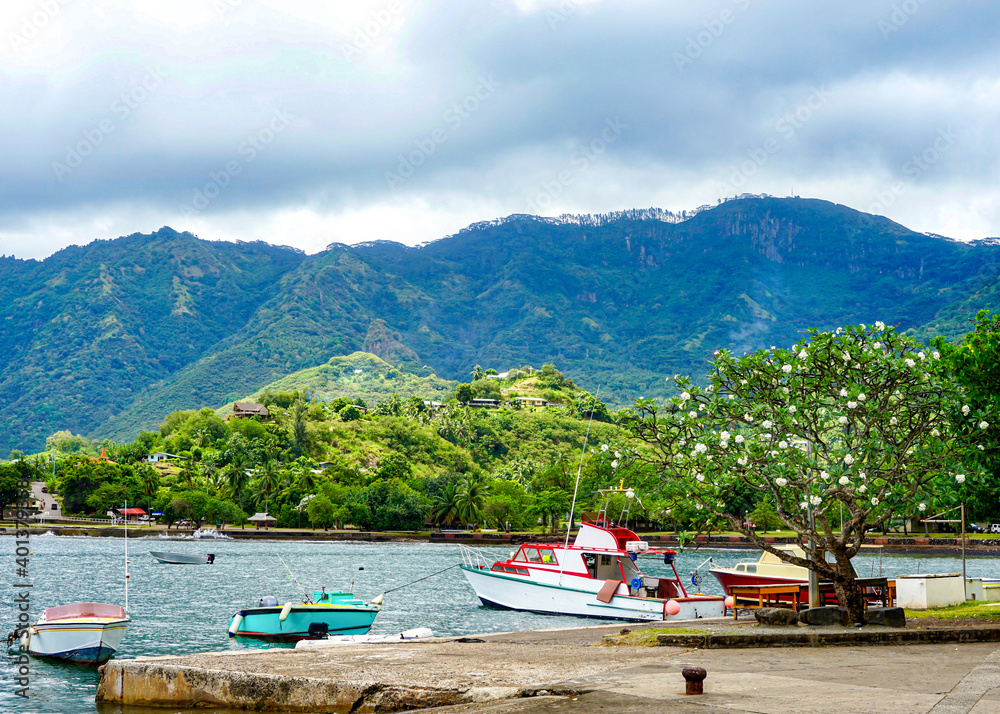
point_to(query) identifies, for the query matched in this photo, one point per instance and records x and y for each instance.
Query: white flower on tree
(848, 459)
(960, 478)
(685, 396)
(824, 475)
(874, 501)
(852, 405)
(921, 507)
(767, 424)
(984, 424)
(781, 482)
(815, 500)
(739, 439)
(842, 420)
(965, 410)
(843, 480)
(910, 363)
(786, 368)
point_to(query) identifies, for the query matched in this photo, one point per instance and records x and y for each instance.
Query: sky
(306, 123)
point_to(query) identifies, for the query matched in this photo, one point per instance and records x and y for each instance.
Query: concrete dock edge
(145, 683)
(818, 638)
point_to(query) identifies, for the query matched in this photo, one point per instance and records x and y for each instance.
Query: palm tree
(238, 478)
(150, 481)
(444, 506)
(471, 497)
(267, 480)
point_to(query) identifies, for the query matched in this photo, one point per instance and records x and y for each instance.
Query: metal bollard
(695, 677)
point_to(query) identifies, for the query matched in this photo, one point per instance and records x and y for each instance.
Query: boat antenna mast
(576, 487)
(125, 516)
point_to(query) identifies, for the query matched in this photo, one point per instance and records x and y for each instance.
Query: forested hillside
(104, 339)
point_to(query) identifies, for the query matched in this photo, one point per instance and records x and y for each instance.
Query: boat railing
(476, 558)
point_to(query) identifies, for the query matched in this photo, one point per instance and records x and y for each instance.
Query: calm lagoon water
(185, 609)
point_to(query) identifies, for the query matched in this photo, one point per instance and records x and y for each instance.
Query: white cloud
(369, 82)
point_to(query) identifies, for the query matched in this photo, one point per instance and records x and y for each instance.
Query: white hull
(91, 642)
(575, 595)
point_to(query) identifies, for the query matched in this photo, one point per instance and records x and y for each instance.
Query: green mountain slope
(363, 375)
(105, 339)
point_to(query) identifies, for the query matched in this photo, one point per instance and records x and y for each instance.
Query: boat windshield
(536, 555)
(84, 609)
(630, 569)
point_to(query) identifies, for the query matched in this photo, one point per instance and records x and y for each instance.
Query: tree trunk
(849, 593)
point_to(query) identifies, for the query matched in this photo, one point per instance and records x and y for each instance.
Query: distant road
(46, 498)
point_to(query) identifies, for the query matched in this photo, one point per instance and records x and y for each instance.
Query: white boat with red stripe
(597, 576)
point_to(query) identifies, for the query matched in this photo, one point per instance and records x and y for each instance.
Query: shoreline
(529, 672)
(896, 545)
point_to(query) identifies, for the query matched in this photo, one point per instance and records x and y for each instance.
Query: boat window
(605, 560)
(533, 556)
(750, 567)
(548, 555)
(521, 571)
(590, 562)
(520, 555)
(629, 569)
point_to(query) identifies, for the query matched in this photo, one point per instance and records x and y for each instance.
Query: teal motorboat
(329, 614)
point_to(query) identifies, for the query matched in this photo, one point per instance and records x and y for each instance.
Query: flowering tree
(860, 419)
(975, 364)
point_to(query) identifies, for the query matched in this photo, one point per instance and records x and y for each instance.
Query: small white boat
(182, 558)
(209, 533)
(84, 632)
(597, 576)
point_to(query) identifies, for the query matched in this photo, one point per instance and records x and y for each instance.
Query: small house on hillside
(483, 403)
(244, 410)
(531, 401)
(159, 456)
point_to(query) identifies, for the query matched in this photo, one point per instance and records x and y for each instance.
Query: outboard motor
(211, 558)
(268, 601)
(319, 630)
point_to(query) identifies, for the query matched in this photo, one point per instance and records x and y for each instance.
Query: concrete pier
(570, 670)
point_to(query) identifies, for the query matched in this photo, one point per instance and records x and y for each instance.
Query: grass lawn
(645, 638)
(980, 611)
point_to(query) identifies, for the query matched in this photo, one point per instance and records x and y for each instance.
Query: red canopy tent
(131, 514)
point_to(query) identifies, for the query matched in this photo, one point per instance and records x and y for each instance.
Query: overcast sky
(304, 122)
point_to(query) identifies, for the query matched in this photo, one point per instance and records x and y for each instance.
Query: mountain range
(107, 338)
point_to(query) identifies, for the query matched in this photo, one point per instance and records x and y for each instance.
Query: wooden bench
(797, 596)
(874, 589)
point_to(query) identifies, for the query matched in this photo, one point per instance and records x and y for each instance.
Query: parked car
(974, 528)
(45, 489)
(55, 506)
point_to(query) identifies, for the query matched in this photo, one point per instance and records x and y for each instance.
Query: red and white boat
(769, 569)
(597, 576)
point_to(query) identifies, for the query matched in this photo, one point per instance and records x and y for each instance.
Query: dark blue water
(179, 609)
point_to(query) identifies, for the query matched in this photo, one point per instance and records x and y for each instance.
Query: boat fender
(377, 600)
(234, 626)
(285, 610)
(636, 583)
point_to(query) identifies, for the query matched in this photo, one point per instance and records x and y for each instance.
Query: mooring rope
(386, 592)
